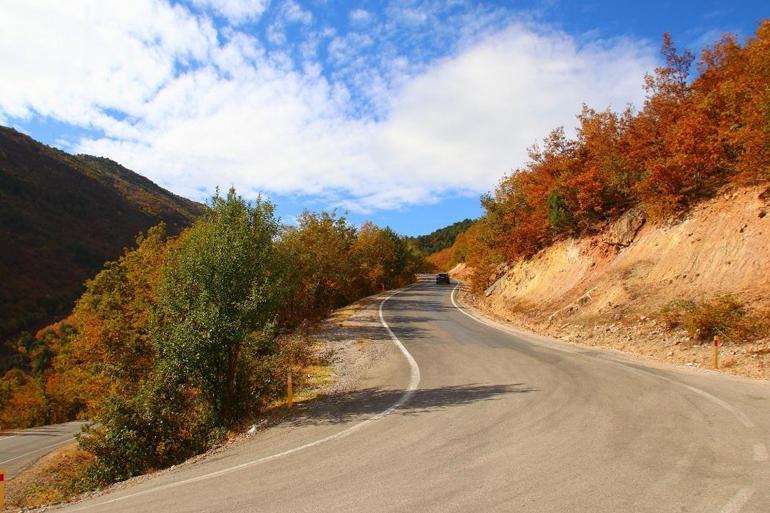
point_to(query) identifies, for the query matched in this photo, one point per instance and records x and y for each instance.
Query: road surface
(20, 448)
(462, 416)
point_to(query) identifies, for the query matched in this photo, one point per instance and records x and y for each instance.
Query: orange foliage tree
(692, 136)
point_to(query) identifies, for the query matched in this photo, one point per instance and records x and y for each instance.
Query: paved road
(22, 447)
(492, 421)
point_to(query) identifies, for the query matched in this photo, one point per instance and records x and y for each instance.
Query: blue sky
(398, 112)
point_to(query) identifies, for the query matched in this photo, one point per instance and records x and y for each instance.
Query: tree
(319, 255)
(222, 281)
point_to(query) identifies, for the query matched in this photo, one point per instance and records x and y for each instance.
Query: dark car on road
(442, 278)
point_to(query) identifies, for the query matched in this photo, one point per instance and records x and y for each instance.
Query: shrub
(724, 316)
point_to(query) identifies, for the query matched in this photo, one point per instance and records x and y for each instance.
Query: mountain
(62, 217)
(441, 238)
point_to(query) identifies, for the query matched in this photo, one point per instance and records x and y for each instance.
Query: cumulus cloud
(168, 95)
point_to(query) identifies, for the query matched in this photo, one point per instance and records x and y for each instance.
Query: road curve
(497, 421)
(22, 447)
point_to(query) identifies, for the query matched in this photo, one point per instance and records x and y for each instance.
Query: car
(442, 278)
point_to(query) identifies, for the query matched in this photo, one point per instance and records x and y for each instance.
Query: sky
(402, 113)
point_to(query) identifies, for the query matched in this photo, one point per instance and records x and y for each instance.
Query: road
(20, 448)
(469, 418)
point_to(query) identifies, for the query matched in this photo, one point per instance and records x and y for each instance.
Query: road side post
(716, 351)
(2, 489)
(289, 392)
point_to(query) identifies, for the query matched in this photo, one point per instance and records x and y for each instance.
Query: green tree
(222, 282)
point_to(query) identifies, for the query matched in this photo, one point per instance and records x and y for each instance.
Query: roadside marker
(2, 489)
(289, 394)
(716, 351)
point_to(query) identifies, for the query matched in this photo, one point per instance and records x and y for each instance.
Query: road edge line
(414, 382)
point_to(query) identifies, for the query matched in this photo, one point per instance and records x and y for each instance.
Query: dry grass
(723, 316)
(341, 315)
(56, 477)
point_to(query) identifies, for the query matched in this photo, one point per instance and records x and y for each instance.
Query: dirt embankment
(610, 289)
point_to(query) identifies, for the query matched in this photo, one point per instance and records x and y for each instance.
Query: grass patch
(57, 477)
(724, 316)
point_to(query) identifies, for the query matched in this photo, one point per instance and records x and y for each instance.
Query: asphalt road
(22, 447)
(489, 420)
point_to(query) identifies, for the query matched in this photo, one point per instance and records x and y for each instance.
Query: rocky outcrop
(622, 232)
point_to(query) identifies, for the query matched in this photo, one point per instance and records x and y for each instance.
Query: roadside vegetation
(723, 316)
(691, 137)
(183, 337)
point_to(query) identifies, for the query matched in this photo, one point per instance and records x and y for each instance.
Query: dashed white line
(414, 382)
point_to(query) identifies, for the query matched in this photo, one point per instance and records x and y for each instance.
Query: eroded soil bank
(612, 289)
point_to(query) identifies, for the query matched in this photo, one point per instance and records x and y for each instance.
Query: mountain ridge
(62, 217)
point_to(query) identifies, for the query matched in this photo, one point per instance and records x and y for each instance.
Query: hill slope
(613, 288)
(441, 238)
(61, 218)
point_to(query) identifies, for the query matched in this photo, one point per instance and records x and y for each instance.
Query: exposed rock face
(622, 232)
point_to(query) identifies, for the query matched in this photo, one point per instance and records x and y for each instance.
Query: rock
(496, 285)
(623, 231)
(252, 429)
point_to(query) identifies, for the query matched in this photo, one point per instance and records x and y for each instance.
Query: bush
(724, 316)
(163, 425)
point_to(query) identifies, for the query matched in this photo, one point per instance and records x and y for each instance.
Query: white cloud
(236, 114)
(293, 12)
(236, 11)
(360, 16)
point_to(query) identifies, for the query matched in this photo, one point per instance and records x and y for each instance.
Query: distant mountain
(441, 238)
(62, 217)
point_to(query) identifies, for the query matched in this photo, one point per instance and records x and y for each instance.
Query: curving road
(20, 448)
(485, 419)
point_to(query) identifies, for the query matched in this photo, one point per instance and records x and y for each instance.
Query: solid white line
(37, 450)
(738, 501)
(760, 452)
(738, 414)
(4, 438)
(414, 382)
(500, 327)
(742, 418)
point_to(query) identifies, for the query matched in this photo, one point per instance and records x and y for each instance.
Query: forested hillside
(441, 238)
(61, 218)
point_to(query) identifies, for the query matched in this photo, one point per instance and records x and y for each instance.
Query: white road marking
(742, 418)
(738, 501)
(37, 450)
(414, 382)
(498, 326)
(760, 452)
(4, 438)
